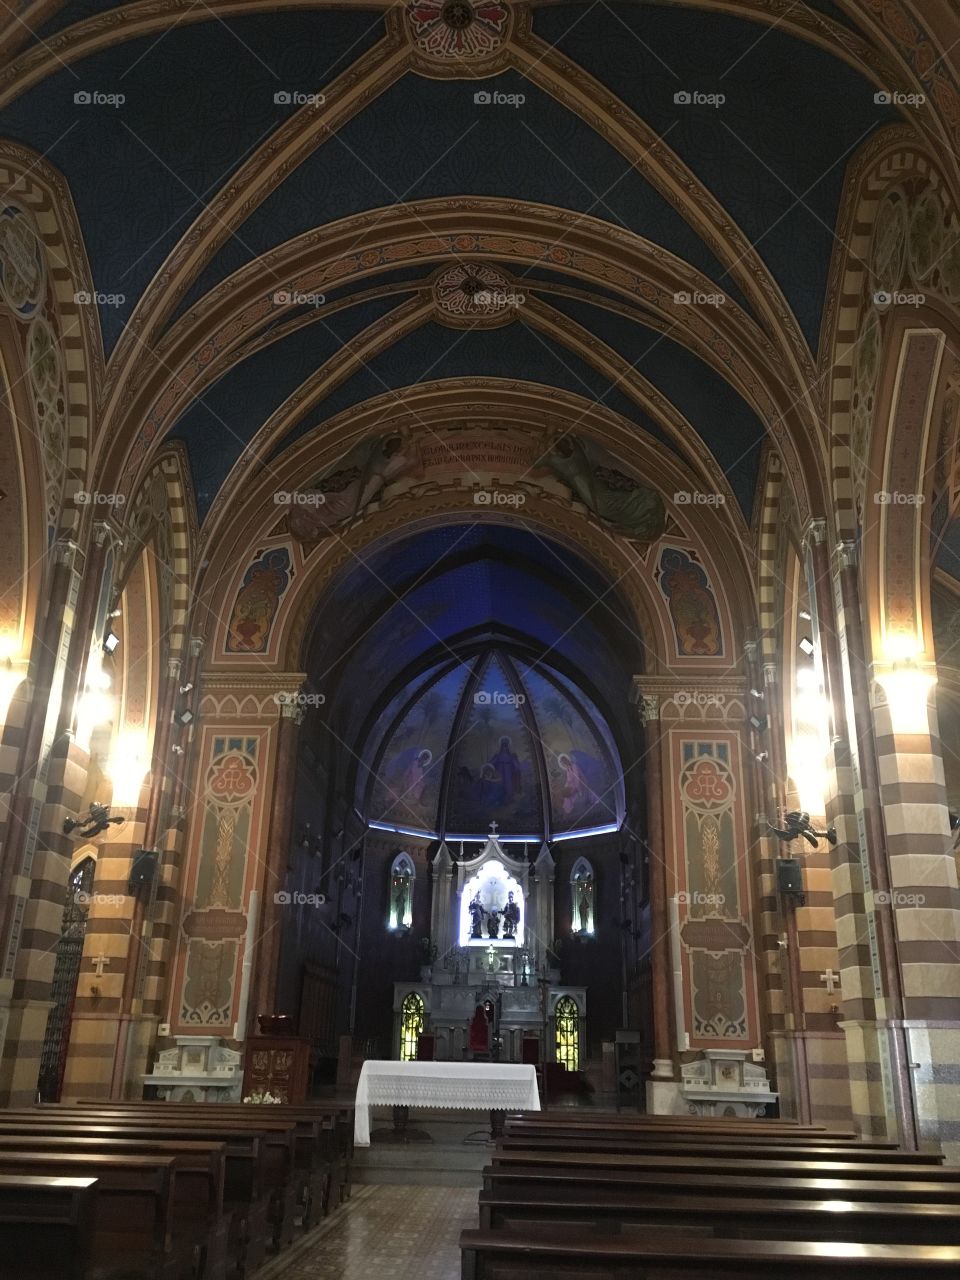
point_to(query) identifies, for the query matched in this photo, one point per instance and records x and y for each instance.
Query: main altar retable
(492, 927)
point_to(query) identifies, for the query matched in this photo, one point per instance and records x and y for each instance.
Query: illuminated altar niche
(494, 882)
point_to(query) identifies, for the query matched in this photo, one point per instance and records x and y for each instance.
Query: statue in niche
(511, 918)
(585, 904)
(493, 924)
(477, 912)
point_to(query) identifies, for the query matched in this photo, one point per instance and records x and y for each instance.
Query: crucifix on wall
(98, 962)
(831, 979)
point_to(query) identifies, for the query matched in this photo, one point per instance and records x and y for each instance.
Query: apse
(479, 674)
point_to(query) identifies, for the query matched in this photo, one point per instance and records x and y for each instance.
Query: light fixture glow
(110, 642)
(127, 766)
(807, 645)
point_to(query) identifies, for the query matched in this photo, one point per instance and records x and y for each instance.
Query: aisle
(406, 1233)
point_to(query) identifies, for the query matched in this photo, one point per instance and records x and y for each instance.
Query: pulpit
(279, 1065)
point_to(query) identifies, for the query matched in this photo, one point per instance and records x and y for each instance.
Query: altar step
(447, 1160)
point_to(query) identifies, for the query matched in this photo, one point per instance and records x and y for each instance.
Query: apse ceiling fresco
(730, 180)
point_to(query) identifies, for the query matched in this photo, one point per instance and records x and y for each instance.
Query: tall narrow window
(400, 912)
(567, 1018)
(411, 1026)
(581, 898)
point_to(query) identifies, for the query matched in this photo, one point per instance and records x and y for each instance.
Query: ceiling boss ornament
(474, 294)
(459, 37)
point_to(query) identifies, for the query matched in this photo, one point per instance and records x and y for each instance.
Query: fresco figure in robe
(507, 764)
(358, 479)
(582, 782)
(594, 478)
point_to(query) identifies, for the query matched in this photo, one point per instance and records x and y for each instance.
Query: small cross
(493, 828)
(831, 979)
(99, 962)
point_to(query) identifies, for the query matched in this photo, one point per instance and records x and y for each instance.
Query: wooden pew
(531, 1140)
(502, 1255)
(46, 1225)
(322, 1153)
(246, 1183)
(521, 1179)
(198, 1209)
(556, 1213)
(770, 1164)
(133, 1209)
(532, 1123)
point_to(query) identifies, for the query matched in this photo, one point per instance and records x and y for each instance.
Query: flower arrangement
(261, 1096)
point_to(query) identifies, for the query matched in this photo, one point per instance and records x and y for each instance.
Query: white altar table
(460, 1086)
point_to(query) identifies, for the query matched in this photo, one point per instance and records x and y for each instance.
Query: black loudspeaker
(789, 876)
(143, 869)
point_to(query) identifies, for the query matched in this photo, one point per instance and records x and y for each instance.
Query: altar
(461, 1086)
(492, 921)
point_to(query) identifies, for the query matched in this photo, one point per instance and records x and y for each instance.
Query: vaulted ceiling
(219, 154)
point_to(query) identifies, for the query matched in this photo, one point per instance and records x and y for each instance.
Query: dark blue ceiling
(515, 351)
(197, 102)
(721, 416)
(774, 153)
(438, 597)
(217, 427)
(427, 138)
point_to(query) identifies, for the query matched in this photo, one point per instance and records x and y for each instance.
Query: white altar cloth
(460, 1086)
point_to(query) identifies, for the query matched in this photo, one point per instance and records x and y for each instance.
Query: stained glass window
(567, 1018)
(411, 1026)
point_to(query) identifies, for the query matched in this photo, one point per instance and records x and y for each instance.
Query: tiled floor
(393, 1232)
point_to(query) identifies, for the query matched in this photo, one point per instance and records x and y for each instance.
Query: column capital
(66, 551)
(196, 646)
(770, 674)
(648, 704)
(816, 531)
(846, 555)
(173, 668)
(751, 650)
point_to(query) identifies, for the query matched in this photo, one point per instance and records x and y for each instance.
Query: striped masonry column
(883, 1103)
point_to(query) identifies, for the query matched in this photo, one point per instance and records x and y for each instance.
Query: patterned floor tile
(394, 1232)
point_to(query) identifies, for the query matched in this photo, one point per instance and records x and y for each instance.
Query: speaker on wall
(789, 876)
(143, 868)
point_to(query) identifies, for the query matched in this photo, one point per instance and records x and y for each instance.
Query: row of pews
(164, 1191)
(595, 1196)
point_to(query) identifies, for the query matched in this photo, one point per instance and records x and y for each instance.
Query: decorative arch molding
(357, 247)
(29, 182)
(367, 78)
(23, 533)
(852, 334)
(436, 406)
(896, 558)
(476, 404)
(162, 515)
